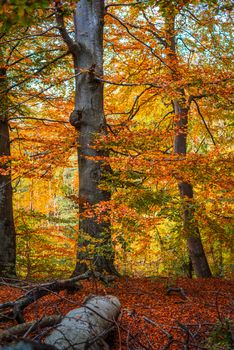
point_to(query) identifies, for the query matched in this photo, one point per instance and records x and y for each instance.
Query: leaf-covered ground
(150, 318)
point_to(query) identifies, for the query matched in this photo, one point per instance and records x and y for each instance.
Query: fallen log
(88, 326)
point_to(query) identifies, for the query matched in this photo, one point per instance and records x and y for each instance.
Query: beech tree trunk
(7, 229)
(191, 230)
(89, 18)
(181, 110)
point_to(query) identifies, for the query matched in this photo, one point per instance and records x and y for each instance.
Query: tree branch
(39, 119)
(29, 36)
(29, 327)
(140, 41)
(34, 74)
(203, 119)
(73, 47)
(128, 84)
(124, 4)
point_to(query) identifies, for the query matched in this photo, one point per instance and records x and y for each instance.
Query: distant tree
(181, 108)
(183, 52)
(20, 82)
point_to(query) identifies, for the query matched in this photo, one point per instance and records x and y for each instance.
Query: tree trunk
(89, 18)
(191, 230)
(88, 326)
(7, 229)
(181, 110)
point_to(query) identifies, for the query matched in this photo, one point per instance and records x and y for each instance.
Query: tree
(181, 109)
(7, 228)
(176, 66)
(16, 91)
(88, 118)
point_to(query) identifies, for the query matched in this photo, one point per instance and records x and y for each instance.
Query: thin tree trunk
(191, 230)
(7, 229)
(181, 110)
(89, 19)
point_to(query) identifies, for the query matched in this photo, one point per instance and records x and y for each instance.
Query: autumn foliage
(116, 158)
(142, 77)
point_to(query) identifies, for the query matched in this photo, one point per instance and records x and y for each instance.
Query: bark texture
(7, 229)
(89, 18)
(181, 109)
(87, 327)
(191, 229)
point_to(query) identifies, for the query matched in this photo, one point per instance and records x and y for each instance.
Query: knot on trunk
(75, 118)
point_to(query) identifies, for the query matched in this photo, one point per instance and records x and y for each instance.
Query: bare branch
(14, 108)
(140, 41)
(39, 119)
(203, 119)
(128, 84)
(124, 4)
(34, 74)
(29, 36)
(157, 36)
(20, 329)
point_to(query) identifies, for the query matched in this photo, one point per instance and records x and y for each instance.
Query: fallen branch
(15, 308)
(21, 329)
(179, 291)
(169, 336)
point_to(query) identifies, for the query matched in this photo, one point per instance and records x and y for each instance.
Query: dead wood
(178, 291)
(88, 326)
(14, 309)
(28, 327)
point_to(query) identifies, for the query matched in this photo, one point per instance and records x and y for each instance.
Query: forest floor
(151, 318)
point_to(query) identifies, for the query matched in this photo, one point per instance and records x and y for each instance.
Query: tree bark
(89, 18)
(7, 228)
(190, 224)
(88, 326)
(181, 110)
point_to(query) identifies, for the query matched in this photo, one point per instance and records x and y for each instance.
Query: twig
(203, 119)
